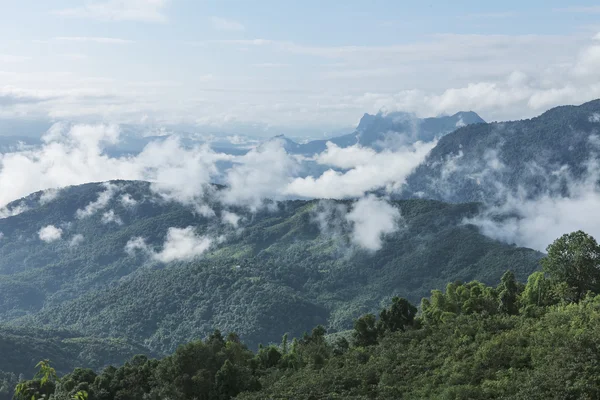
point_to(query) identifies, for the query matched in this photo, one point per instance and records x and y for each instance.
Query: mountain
(283, 269)
(388, 131)
(488, 161)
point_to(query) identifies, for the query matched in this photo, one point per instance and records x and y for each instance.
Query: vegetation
(473, 341)
(277, 272)
(542, 155)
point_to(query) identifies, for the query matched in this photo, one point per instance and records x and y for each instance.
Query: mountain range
(280, 270)
(92, 274)
(388, 131)
(547, 155)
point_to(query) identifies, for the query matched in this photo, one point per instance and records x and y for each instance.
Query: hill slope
(285, 269)
(487, 162)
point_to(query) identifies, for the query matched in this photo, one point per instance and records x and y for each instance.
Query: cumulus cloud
(181, 174)
(362, 225)
(181, 244)
(74, 154)
(262, 173)
(372, 218)
(230, 218)
(110, 217)
(367, 170)
(50, 234)
(76, 240)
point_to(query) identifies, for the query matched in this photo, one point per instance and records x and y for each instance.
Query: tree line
(532, 340)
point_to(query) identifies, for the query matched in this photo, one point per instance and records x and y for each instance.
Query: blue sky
(309, 64)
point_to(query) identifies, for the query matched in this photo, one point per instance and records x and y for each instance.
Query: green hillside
(277, 272)
(473, 341)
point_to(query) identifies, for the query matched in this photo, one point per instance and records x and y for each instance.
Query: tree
(400, 315)
(507, 294)
(574, 259)
(537, 291)
(365, 331)
(42, 385)
(227, 381)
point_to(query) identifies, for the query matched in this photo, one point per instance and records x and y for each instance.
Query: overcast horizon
(236, 65)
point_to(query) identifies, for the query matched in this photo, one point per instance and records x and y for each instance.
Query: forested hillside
(507, 341)
(284, 269)
(488, 162)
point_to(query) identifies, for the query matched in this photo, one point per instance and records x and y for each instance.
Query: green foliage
(365, 331)
(281, 275)
(41, 386)
(470, 342)
(508, 291)
(398, 317)
(574, 259)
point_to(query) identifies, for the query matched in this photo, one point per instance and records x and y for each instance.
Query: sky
(315, 66)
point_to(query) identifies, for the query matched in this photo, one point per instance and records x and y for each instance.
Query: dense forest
(513, 340)
(282, 269)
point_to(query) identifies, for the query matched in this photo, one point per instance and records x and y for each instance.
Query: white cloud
(230, 218)
(372, 219)
(128, 201)
(76, 240)
(49, 195)
(537, 222)
(6, 212)
(183, 245)
(135, 244)
(103, 199)
(50, 233)
(260, 174)
(595, 117)
(110, 217)
(369, 170)
(119, 10)
(180, 245)
(223, 24)
(330, 86)
(73, 155)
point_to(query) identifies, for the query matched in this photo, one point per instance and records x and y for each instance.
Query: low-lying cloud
(365, 223)
(366, 170)
(536, 222)
(50, 234)
(181, 244)
(372, 219)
